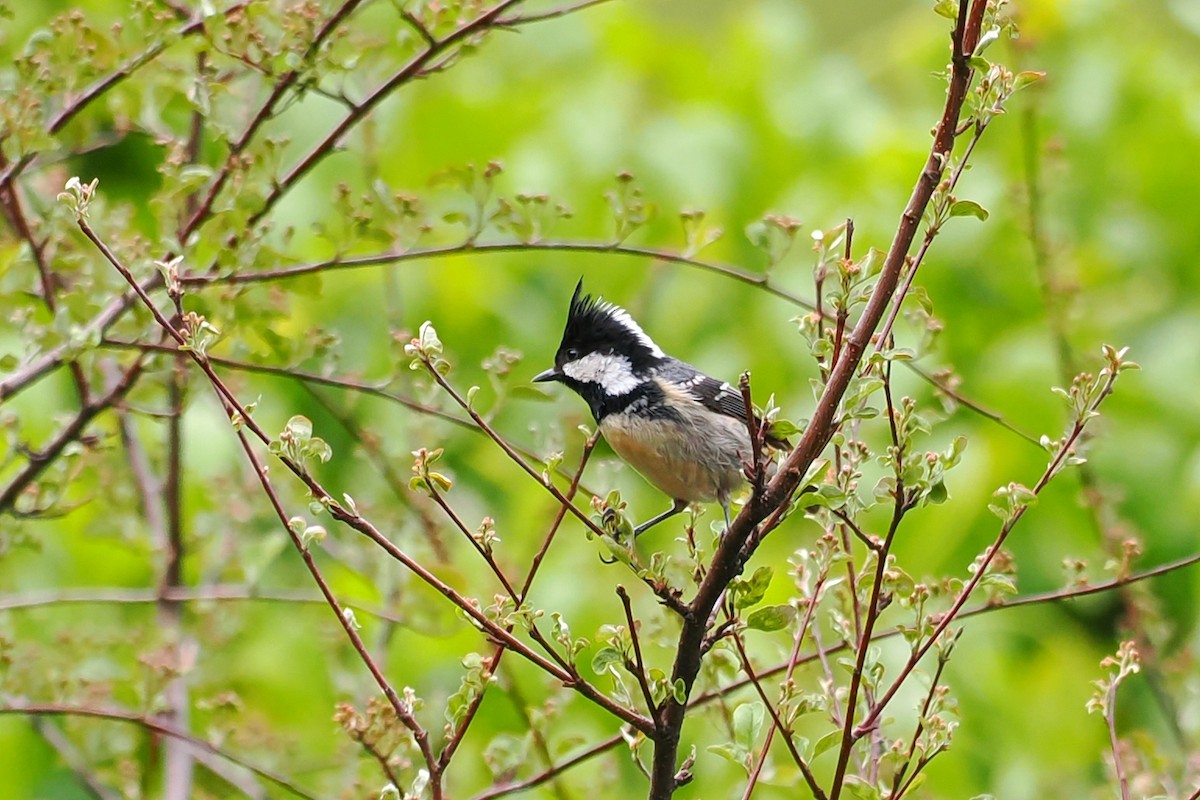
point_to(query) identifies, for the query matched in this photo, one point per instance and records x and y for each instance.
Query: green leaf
(783, 428)
(747, 723)
(605, 658)
(946, 8)
(771, 618)
(968, 208)
(729, 752)
(826, 496)
(1026, 78)
(300, 427)
(859, 789)
(751, 591)
(827, 741)
(999, 583)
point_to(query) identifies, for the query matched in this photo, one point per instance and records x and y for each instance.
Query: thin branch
(405, 74)
(220, 593)
(100, 86)
(74, 760)
(281, 88)
(638, 668)
(385, 466)
(468, 717)
(157, 726)
(10, 199)
(981, 568)
(898, 778)
(885, 330)
(943, 386)
(730, 557)
(403, 712)
(553, 13)
(43, 458)
(245, 421)
(776, 725)
(243, 594)
(874, 606)
(1114, 741)
(486, 555)
(370, 389)
(52, 359)
(389, 257)
(552, 772)
(508, 449)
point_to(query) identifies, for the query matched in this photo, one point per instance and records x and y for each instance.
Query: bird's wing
(715, 395)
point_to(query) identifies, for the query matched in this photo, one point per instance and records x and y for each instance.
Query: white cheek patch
(613, 373)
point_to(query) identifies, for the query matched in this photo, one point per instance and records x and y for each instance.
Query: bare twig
(281, 88)
(638, 667)
(43, 458)
(943, 386)
(553, 13)
(552, 772)
(776, 725)
(456, 738)
(159, 727)
(761, 280)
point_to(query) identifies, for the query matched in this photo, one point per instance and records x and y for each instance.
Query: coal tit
(683, 431)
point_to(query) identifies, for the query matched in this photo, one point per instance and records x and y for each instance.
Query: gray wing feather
(715, 395)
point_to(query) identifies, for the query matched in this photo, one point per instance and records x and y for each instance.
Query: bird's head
(603, 350)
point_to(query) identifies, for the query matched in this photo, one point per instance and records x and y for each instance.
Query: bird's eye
(572, 353)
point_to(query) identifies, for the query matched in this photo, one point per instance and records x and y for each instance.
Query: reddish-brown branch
(729, 558)
(43, 458)
(405, 74)
(899, 778)
(761, 280)
(849, 734)
(638, 667)
(403, 712)
(981, 568)
(281, 88)
(549, 774)
(10, 200)
(776, 725)
(460, 732)
(362, 525)
(102, 85)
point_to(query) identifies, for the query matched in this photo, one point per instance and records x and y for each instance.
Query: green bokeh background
(817, 110)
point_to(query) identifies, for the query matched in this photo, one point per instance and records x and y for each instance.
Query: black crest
(594, 325)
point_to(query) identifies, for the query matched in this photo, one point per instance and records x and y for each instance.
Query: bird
(685, 432)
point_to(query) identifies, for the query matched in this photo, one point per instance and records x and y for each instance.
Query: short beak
(551, 374)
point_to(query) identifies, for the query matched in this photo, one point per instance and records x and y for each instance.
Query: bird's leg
(725, 508)
(677, 506)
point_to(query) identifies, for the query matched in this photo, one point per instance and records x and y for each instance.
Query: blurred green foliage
(818, 111)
